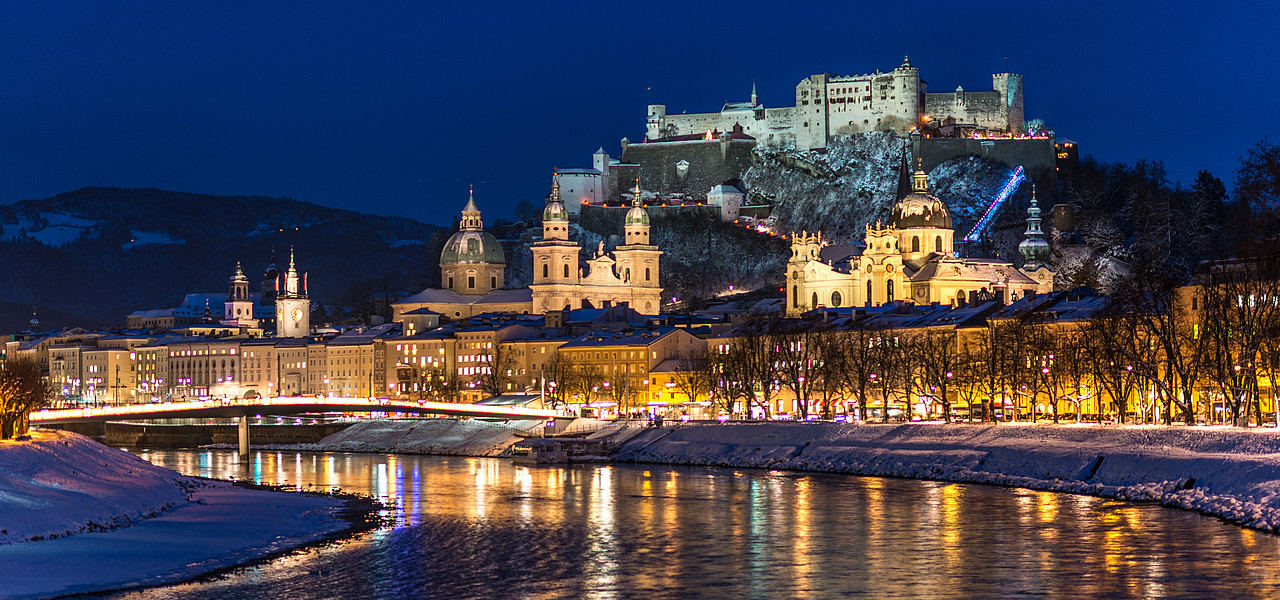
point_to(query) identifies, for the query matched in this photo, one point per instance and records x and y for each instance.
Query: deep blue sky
(395, 108)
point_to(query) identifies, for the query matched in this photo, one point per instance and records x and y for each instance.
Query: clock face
(296, 314)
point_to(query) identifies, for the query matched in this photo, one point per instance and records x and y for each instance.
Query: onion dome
(637, 215)
(1034, 249)
(920, 209)
(472, 244)
(555, 210)
(239, 276)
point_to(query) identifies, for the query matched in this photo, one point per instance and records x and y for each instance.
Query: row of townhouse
(456, 362)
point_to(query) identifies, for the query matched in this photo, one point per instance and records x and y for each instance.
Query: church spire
(919, 179)
(471, 214)
(1034, 248)
(754, 100)
(637, 198)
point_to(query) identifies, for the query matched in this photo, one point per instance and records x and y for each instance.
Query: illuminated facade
(910, 259)
(828, 105)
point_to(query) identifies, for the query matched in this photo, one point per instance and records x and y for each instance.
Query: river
(482, 528)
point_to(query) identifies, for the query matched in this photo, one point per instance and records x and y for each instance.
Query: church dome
(472, 247)
(555, 210)
(920, 209)
(637, 215)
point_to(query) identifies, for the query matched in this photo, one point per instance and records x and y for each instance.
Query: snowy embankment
(135, 524)
(62, 483)
(1229, 473)
(449, 437)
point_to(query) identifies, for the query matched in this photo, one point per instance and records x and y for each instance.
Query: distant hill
(91, 256)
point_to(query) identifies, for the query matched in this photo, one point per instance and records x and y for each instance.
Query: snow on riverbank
(135, 523)
(62, 483)
(1230, 473)
(449, 437)
(225, 526)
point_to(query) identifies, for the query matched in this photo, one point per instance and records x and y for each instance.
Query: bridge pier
(244, 439)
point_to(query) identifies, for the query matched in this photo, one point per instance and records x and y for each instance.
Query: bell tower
(293, 307)
(637, 260)
(555, 258)
(239, 304)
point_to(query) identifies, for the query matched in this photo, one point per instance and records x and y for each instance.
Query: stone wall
(1035, 155)
(608, 220)
(710, 163)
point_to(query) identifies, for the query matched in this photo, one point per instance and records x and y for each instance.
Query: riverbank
(442, 437)
(1233, 474)
(78, 517)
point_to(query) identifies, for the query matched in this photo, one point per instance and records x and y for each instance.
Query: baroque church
(292, 304)
(472, 264)
(912, 258)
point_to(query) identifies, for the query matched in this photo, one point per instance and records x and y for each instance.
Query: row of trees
(1152, 354)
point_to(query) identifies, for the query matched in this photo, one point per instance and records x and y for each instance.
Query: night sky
(396, 108)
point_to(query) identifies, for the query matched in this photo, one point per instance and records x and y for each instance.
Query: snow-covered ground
(134, 523)
(1230, 473)
(450, 437)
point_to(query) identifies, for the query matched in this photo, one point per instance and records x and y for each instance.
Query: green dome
(637, 215)
(555, 211)
(472, 247)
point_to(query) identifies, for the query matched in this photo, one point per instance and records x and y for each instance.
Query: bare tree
(494, 377)
(935, 353)
(23, 388)
(799, 357)
(693, 374)
(851, 357)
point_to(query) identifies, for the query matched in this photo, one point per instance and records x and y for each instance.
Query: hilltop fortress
(828, 105)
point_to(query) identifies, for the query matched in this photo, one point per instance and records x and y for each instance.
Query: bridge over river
(247, 407)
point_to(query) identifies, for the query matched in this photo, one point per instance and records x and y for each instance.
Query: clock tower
(293, 308)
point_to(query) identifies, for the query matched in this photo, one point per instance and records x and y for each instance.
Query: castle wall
(578, 188)
(710, 163)
(1037, 156)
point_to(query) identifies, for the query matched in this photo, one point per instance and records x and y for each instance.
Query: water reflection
(482, 528)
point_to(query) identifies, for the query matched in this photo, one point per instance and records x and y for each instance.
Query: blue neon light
(1014, 181)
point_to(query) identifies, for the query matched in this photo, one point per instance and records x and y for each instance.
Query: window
(915, 243)
(493, 283)
(545, 269)
(566, 269)
(450, 286)
(835, 299)
(868, 292)
(888, 291)
(646, 273)
(795, 295)
(937, 244)
(471, 283)
(815, 300)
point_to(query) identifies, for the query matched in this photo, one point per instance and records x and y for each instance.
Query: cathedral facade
(912, 258)
(472, 265)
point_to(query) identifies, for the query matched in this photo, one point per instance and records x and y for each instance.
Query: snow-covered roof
(439, 296)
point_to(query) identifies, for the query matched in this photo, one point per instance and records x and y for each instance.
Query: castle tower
(1010, 87)
(555, 258)
(909, 102)
(239, 304)
(472, 262)
(638, 260)
(293, 307)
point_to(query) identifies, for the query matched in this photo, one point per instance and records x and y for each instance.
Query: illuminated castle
(829, 105)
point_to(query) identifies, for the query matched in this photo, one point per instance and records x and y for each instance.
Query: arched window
(815, 300)
(835, 299)
(868, 292)
(646, 273)
(566, 269)
(960, 298)
(795, 295)
(626, 275)
(937, 244)
(545, 269)
(888, 291)
(915, 243)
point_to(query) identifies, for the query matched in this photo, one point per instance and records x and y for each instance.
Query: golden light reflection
(951, 500)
